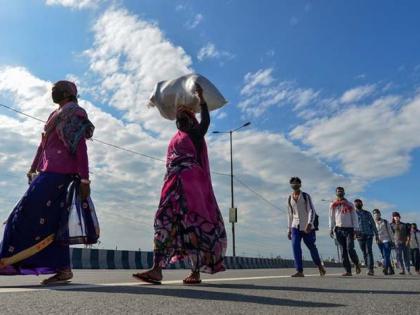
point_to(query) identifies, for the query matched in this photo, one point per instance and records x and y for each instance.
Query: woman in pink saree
(188, 222)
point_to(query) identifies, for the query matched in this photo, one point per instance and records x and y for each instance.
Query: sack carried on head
(169, 95)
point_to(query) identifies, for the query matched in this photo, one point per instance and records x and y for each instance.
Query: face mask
(340, 194)
(295, 187)
(377, 216)
(359, 206)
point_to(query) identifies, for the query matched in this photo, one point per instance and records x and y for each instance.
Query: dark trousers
(309, 240)
(345, 237)
(403, 256)
(415, 258)
(365, 243)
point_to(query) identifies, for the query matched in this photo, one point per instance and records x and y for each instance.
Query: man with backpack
(302, 223)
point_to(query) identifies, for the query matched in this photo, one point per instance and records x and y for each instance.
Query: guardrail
(87, 258)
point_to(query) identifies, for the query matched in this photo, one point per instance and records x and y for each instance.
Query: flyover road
(260, 291)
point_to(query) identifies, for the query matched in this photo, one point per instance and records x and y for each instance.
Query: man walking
(301, 223)
(343, 223)
(402, 242)
(415, 247)
(367, 229)
(385, 242)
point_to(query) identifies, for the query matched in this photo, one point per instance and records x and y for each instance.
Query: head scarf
(66, 87)
(69, 121)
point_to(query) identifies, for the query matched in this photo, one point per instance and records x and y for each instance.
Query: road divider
(89, 258)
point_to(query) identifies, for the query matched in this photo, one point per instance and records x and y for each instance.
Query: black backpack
(307, 199)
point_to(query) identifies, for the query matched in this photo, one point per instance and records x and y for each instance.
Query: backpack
(307, 199)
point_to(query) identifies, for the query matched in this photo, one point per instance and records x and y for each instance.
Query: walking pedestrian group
(56, 211)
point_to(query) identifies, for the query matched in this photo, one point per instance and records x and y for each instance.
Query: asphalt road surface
(261, 291)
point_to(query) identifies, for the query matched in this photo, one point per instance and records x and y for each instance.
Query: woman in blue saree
(56, 210)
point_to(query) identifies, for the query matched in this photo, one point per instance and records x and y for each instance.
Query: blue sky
(331, 89)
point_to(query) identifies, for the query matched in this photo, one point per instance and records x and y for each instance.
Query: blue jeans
(309, 240)
(385, 249)
(403, 256)
(365, 243)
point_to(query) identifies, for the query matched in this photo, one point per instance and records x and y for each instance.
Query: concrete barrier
(87, 258)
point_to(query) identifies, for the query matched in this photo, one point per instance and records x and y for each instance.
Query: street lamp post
(233, 211)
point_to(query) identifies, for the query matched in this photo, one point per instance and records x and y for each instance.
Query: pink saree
(188, 222)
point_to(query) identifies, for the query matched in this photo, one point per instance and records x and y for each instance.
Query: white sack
(168, 95)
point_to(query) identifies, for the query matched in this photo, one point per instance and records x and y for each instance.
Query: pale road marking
(127, 284)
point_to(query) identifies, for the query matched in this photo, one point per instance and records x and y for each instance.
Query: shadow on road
(307, 289)
(195, 294)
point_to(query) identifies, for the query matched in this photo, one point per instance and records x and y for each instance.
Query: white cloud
(75, 4)
(209, 51)
(198, 18)
(358, 93)
(129, 56)
(262, 77)
(221, 115)
(370, 142)
(262, 91)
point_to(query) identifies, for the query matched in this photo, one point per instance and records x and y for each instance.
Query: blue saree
(49, 217)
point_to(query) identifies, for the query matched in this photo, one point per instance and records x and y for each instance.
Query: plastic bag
(80, 224)
(168, 95)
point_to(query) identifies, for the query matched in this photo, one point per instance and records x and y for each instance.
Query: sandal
(145, 277)
(62, 277)
(193, 278)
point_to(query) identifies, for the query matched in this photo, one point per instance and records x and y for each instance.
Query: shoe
(298, 275)
(391, 271)
(385, 272)
(402, 273)
(322, 271)
(358, 269)
(410, 273)
(370, 273)
(346, 274)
